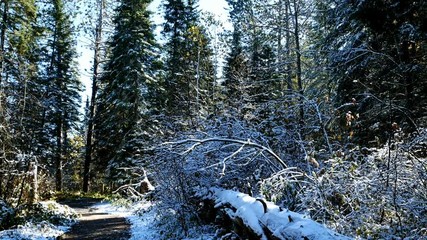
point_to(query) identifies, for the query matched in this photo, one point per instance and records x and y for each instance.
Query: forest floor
(95, 224)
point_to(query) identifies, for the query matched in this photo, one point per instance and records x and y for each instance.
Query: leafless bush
(203, 160)
(372, 193)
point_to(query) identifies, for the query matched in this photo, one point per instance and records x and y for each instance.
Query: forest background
(319, 106)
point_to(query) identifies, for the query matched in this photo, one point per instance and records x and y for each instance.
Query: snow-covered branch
(247, 143)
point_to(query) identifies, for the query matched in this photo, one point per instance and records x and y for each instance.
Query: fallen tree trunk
(258, 219)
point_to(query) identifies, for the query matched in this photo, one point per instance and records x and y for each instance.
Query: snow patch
(142, 226)
(43, 230)
(283, 224)
(39, 231)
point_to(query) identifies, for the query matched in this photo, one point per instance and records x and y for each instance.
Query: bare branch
(247, 143)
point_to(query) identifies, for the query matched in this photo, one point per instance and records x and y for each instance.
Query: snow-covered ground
(141, 216)
(39, 231)
(144, 225)
(42, 230)
(141, 225)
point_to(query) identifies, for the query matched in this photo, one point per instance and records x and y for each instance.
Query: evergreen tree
(188, 66)
(62, 99)
(270, 38)
(97, 58)
(124, 86)
(379, 66)
(236, 70)
(19, 90)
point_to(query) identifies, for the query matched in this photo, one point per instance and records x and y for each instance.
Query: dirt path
(96, 225)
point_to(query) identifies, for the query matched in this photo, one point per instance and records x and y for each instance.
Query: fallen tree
(259, 219)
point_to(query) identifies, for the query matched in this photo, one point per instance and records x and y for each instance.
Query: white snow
(39, 231)
(142, 227)
(42, 230)
(284, 224)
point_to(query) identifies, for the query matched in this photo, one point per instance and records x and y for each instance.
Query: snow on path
(142, 227)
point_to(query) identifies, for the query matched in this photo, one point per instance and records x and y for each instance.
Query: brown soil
(96, 226)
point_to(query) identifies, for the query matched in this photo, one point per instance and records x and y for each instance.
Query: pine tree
(251, 72)
(18, 82)
(97, 58)
(236, 70)
(188, 66)
(124, 86)
(269, 37)
(62, 86)
(376, 54)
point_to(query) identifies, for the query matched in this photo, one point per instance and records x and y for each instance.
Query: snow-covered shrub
(372, 193)
(293, 138)
(283, 187)
(228, 154)
(34, 231)
(43, 220)
(48, 211)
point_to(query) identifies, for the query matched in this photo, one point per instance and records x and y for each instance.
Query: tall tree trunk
(279, 57)
(58, 157)
(298, 55)
(89, 133)
(2, 107)
(288, 46)
(3, 37)
(33, 195)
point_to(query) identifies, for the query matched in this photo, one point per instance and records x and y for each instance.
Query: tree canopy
(317, 105)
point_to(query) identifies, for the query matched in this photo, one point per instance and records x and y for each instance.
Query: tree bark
(298, 55)
(89, 133)
(3, 36)
(58, 157)
(288, 47)
(34, 183)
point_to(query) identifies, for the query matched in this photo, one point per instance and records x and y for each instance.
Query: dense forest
(319, 106)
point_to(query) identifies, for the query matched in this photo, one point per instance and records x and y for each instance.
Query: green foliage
(70, 195)
(189, 73)
(50, 212)
(117, 200)
(378, 61)
(124, 89)
(47, 211)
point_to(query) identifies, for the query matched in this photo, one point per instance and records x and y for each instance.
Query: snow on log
(272, 222)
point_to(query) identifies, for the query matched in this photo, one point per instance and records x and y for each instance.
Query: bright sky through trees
(217, 7)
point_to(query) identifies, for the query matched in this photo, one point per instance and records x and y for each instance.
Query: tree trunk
(298, 54)
(3, 37)
(89, 134)
(2, 110)
(279, 42)
(58, 157)
(34, 183)
(288, 47)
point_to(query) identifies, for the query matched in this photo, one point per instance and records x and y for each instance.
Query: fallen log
(259, 219)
